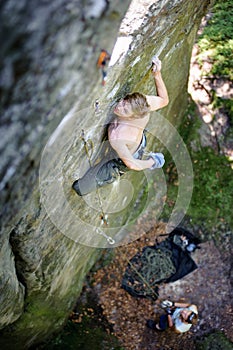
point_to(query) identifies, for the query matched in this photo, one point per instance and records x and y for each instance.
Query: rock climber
(179, 316)
(103, 58)
(127, 138)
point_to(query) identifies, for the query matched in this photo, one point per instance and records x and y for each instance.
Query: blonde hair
(139, 104)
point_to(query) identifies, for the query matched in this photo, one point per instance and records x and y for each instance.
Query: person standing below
(179, 316)
(127, 138)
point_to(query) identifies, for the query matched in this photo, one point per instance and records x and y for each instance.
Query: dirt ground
(208, 287)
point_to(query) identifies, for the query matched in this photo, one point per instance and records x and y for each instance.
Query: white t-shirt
(179, 325)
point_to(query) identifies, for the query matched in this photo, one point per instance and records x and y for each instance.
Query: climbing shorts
(105, 172)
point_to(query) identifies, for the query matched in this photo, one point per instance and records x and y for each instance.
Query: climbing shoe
(75, 186)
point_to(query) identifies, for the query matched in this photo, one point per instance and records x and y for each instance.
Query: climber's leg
(99, 175)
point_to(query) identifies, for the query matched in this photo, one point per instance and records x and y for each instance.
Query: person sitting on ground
(180, 316)
(127, 138)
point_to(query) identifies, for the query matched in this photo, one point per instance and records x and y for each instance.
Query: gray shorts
(105, 172)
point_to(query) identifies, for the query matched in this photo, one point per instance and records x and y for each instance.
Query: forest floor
(208, 287)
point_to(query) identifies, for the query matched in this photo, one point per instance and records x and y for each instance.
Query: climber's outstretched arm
(161, 100)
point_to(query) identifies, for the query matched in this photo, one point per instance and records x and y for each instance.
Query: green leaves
(216, 40)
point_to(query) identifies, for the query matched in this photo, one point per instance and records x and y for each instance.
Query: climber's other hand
(158, 160)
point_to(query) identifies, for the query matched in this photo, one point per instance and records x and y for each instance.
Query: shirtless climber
(126, 137)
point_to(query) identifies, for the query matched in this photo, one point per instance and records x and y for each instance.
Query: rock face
(50, 237)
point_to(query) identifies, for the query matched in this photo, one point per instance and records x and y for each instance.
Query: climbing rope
(157, 264)
(89, 149)
(146, 270)
(153, 290)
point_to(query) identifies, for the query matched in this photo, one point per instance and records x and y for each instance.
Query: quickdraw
(109, 239)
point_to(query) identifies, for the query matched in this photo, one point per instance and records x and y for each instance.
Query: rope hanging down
(89, 147)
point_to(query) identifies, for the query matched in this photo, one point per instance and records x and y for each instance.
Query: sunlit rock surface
(50, 237)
